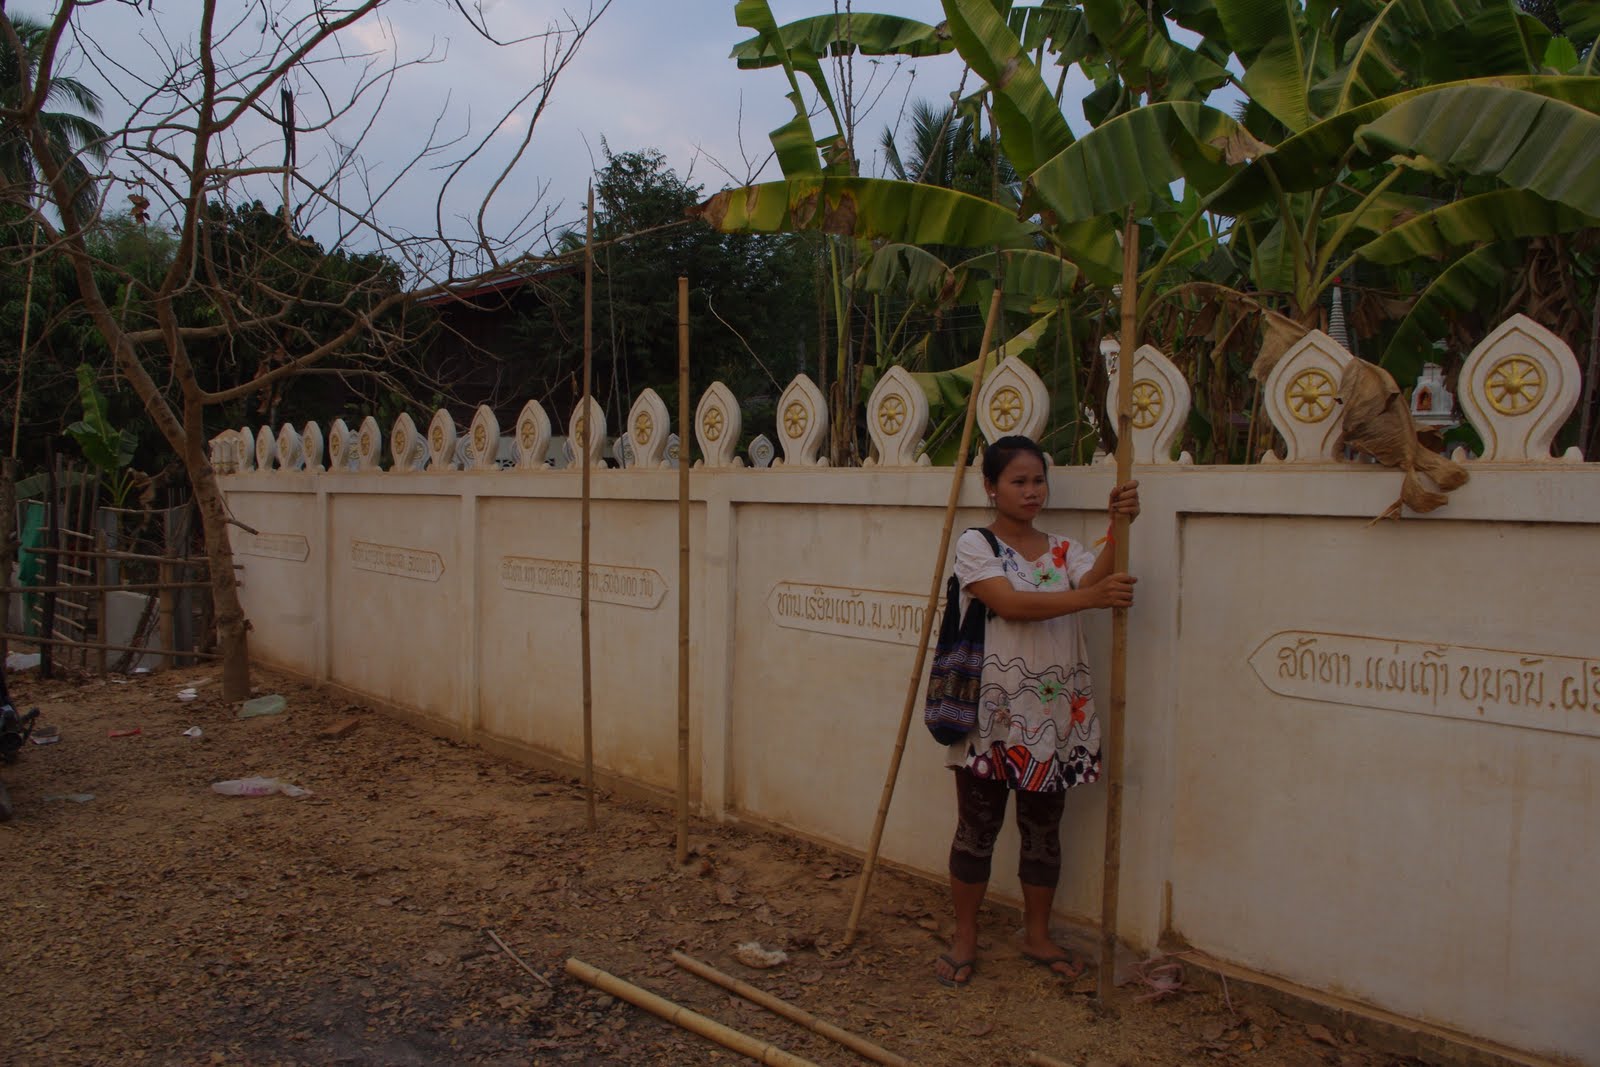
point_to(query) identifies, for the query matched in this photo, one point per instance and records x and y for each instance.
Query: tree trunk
(232, 628)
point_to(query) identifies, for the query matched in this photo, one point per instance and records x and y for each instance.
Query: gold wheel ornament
(795, 418)
(1006, 409)
(644, 428)
(891, 414)
(530, 434)
(437, 438)
(1514, 385)
(1310, 395)
(580, 429)
(1147, 403)
(713, 424)
(364, 442)
(480, 439)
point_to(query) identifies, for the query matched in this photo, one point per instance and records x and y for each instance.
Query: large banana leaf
(1464, 285)
(1054, 25)
(1376, 61)
(841, 34)
(867, 208)
(1034, 280)
(106, 447)
(1134, 158)
(794, 142)
(1032, 128)
(1266, 35)
(1489, 218)
(1094, 245)
(1525, 140)
(1146, 57)
(901, 268)
(1314, 158)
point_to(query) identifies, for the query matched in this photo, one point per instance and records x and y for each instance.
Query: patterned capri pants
(981, 811)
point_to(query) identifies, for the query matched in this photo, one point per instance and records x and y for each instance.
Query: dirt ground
(161, 922)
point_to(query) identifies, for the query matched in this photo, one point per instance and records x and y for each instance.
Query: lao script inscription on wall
(829, 609)
(637, 587)
(1524, 689)
(420, 564)
(292, 547)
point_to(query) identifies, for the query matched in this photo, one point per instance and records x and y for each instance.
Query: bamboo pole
(102, 598)
(52, 565)
(584, 458)
(833, 1033)
(680, 1016)
(34, 639)
(8, 542)
(101, 587)
(141, 557)
(1112, 764)
(683, 571)
(956, 476)
(22, 346)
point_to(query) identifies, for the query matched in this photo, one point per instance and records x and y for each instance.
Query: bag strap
(988, 535)
(994, 546)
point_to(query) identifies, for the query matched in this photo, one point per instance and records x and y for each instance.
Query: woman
(1036, 735)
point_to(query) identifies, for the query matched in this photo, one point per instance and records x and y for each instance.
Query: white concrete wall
(1398, 846)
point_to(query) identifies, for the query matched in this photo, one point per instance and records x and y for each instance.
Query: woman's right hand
(1112, 591)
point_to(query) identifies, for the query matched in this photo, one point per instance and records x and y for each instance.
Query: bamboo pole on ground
(833, 1033)
(1111, 876)
(583, 457)
(956, 477)
(683, 571)
(678, 1015)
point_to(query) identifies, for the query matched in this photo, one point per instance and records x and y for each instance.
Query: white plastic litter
(21, 661)
(186, 695)
(751, 954)
(193, 731)
(257, 787)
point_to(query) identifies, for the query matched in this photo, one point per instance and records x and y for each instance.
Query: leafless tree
(259, 103)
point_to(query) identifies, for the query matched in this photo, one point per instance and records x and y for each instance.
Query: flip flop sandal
(956, 967)
(1075, 966)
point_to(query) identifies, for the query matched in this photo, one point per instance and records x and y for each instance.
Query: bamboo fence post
(8, 544)
(959, 472)
(169, 620)
(833, 1033)
(52, 565)
(583, 457)
(1111, 877)
(677, 1015)
(102, 566)
(683, 570)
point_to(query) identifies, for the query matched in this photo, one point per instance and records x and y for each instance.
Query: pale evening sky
(651, 75)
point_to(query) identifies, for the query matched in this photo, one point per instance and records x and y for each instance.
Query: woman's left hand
(1125, 500)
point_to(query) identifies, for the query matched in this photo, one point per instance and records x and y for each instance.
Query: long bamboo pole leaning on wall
(683, 571)
(1111, 877)
(583, 457)
(963, 461)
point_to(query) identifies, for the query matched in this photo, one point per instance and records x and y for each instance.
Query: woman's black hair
(998, 456)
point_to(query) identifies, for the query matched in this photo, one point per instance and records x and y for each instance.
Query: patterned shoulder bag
(951, 710)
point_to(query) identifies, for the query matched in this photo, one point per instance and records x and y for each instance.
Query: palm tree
(948, 152)
(72, 136)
